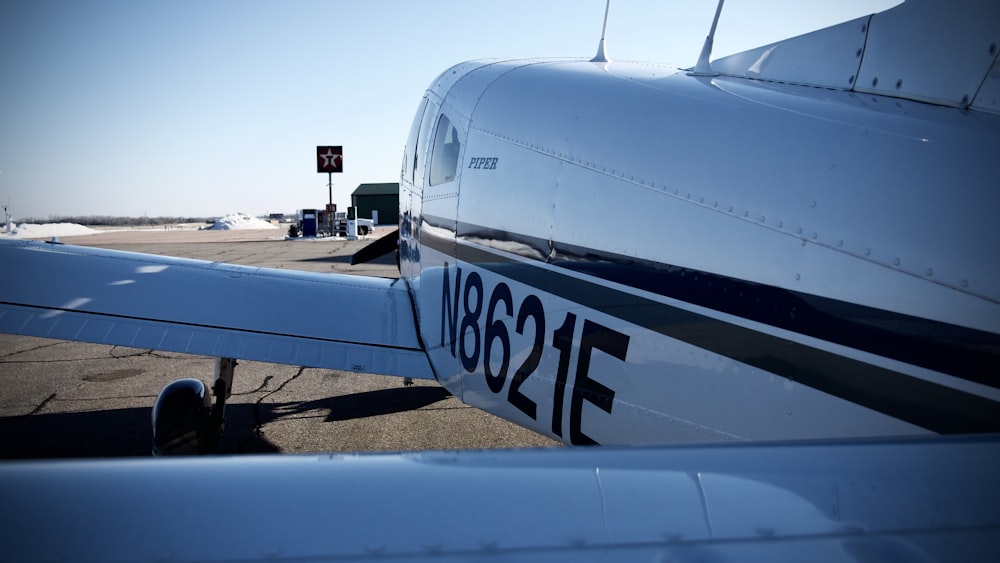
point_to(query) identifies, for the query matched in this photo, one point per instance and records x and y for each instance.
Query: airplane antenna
(704, 67)
(600, 57)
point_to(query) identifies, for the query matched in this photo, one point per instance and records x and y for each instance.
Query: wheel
(182, 420)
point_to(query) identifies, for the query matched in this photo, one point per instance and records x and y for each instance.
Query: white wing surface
(931, 499)
(209, 308)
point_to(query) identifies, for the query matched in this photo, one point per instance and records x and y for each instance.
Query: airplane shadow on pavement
(364, 404)
(127, 432)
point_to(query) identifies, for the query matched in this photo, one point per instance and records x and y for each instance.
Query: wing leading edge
(930, 499)
(192, 306)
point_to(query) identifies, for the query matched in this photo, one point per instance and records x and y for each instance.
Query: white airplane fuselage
(797, 242)
(626, 253)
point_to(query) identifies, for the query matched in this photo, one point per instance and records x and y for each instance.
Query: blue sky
(203, 108)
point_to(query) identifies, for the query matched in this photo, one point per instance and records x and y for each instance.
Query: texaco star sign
(330, 159)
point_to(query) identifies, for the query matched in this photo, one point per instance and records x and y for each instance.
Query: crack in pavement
(259, 388)
(54, 398)
(27, 350)
(257, 432)
(111, 353)
(55, 361)
(99, 399)
(34, 411)
(41, 405)
(151, 353)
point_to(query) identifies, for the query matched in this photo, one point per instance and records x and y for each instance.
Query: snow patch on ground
(240, 221)
(49, 230)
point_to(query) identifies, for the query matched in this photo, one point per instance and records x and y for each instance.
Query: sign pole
(330, 159)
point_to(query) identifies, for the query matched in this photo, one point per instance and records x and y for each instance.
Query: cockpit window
(444, 158)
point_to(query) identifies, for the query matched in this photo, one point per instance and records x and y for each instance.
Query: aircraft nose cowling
(182, 419)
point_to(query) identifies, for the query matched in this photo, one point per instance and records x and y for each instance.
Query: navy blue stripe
(958, 351)
(929, 405)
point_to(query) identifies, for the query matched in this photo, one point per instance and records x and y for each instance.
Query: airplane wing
(929, 499)
(332, 321)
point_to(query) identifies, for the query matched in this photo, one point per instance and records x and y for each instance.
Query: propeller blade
(381, 247)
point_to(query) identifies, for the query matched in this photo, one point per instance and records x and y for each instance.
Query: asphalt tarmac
(63, 399)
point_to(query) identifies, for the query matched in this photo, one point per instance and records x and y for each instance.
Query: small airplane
(792, 250)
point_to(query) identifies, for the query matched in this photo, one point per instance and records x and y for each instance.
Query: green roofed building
(381, 198)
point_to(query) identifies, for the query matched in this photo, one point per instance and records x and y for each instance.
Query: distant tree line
(110, 221)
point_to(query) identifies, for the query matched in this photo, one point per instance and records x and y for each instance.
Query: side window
(444, 158)
(410, 152)
(423, 144)
(416, 145)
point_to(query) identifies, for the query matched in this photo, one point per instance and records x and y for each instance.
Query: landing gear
(185, 421)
